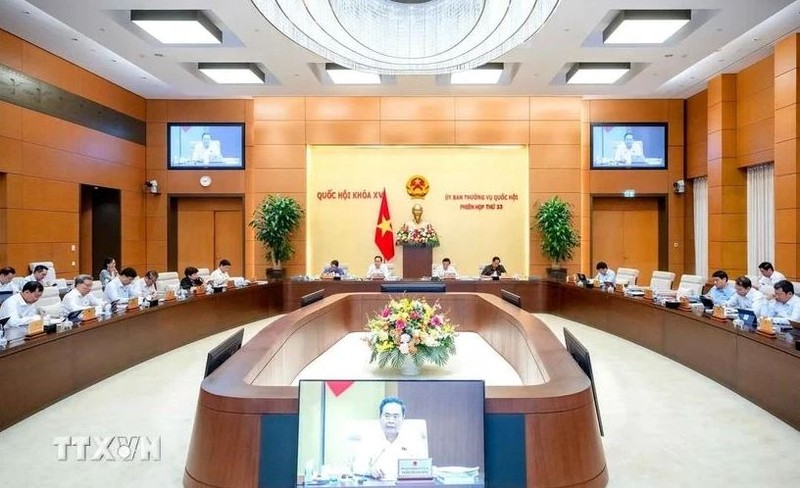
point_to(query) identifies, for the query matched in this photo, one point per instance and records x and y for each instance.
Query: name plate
(415, 469)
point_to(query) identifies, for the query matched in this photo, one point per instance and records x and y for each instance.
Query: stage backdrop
(477, 201)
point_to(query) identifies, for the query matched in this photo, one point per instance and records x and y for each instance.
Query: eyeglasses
(392, 416)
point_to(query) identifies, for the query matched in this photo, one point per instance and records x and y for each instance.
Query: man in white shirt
(39, 274)
(785, 304)
(145, 286)
(21, 310)
(769, 277)
(207, 150)
(378, 454)
(629, 151)
(445, 270)
(80, 297)
(378, 269)
(220, 275)
(7, 280)
(746, 296)
(604, 275)
(119, 288)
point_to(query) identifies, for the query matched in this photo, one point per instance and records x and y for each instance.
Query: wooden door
(228, 239)
(625, 234)
(210, 229)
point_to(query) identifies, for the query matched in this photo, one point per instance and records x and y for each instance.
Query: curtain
(700, 186)
(760, 216)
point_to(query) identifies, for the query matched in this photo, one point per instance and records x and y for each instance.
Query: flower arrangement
(411, 327)
(417, 237)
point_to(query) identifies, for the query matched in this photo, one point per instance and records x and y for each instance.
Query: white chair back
(694, 283)
(52, 309)
(167, 278)
(203, 273)
(626, 276)
(97, 290)
(49, 297)
(662, 280)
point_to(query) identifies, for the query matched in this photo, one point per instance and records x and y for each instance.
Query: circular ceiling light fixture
(408, 37)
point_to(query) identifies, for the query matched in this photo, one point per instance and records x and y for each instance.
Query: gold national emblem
(417, 186)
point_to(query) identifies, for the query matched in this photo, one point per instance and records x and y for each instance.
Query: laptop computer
(4, 295)
(707, 303)
(4, 321)
(748, 317)
(74, 316)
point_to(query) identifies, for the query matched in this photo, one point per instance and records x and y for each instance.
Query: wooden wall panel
(555, 132)
(418, 132)
(755, 113)
(278, 156)
(205, 110)
(697, 135)
(555, 108)
(418, 108)
(491, 132)
(188, 182)
(492, 108)
(342, 108)
(343, 132)
(276, 108)
(47, 159)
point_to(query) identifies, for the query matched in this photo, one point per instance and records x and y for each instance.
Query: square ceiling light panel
(596, 73)
(645, 26)
(488, 74)
(233, 73)
(178, 26)
(344, 76)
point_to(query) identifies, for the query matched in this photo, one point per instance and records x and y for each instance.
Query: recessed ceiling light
(596, 73)
(233, 73)
(645, 26)
(343, 76)
(488, 74)
(178, 26)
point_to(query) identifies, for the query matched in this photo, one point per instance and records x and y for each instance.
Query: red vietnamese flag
(384, 236)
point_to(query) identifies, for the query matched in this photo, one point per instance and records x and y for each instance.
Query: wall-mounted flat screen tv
(205, 145)
(386, 433)
(629, 145)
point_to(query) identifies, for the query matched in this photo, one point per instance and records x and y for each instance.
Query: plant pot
(557, 274)
(275, 273)
(409, 368)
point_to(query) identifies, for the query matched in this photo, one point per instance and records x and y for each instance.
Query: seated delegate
(119, 288)
(191, 278)
(7, 280)
(220, 275)
(21, 310)
(378, 269)
(333, 269)
(746, 296)
(145, 286)
(785, 304)
(445, 270)
(722, 291)
(39, 275)
(604, 275)
(80, 297)
(493, 269)
(769, 277)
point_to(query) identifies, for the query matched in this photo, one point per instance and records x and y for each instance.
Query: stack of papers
(456, 475)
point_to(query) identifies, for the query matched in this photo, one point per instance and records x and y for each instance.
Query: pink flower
(386, 312)
(436, 320)
(400, 325)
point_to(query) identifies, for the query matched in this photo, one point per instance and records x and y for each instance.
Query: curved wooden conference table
(46, 369)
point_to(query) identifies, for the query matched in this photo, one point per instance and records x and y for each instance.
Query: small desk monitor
(222, 352)
(312, 297)
(581, 356)
(413, 287)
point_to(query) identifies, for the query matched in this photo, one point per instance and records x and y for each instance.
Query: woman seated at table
(191, 278)
(109, 271)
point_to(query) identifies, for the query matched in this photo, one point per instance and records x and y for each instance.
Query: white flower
(383, 336)
(404, 348)
(405, 338)
(430, 341)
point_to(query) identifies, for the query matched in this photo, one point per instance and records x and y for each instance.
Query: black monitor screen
(368, 432)
(629, 146)
(222, 352)
(581, 356)
(413, 287)
(512, 298)
(312, 297)
(205, 145)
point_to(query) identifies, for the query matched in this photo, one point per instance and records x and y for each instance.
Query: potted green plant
(274, 221)
(554, 223)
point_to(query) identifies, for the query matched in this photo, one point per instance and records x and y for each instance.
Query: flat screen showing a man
(219, 146)
(386, 433)
(638, 146)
